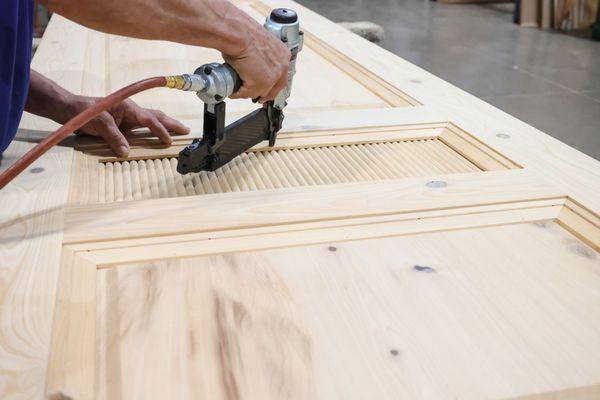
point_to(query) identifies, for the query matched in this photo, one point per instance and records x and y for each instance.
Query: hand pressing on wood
(121, 119)
(48, 99)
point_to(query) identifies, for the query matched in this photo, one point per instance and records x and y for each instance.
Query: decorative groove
(158, 178)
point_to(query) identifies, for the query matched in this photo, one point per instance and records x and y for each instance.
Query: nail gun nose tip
(182, 168)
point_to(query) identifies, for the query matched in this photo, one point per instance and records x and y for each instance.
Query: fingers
(171, 124)
(112, 135)
(265, 93)
(245, 92)
(148, 119)
(262, 77)
(279, 86)
(258, 95)
(126, 116)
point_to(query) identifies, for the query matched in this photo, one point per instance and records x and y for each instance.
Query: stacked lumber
(563, 15)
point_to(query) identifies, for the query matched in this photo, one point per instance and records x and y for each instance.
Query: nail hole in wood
(503, 135)
(415, 81)
(436, 184)
(423, 268)
(394, 352)
(582, 251)
(332, 248)
(36, 170)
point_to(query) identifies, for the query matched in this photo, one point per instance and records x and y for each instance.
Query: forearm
(47, 99)
(209, 23)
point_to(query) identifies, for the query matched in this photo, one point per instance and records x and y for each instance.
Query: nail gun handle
(236, 79)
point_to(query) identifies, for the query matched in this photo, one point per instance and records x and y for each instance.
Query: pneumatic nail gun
(214, 82)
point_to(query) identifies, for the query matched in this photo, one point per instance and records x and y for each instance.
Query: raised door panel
(497, 312)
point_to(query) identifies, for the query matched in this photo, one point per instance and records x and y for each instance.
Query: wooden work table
(403, 240)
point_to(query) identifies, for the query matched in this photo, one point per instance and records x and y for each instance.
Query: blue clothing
(16, 34)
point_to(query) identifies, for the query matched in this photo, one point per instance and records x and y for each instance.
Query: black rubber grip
(236, 79)
(284, 16)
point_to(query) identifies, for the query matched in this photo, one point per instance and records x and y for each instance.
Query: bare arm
(261, 60)
(47, 99)
(208, 23)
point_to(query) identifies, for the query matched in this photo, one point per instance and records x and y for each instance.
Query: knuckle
(157, 127)
(155, 122)
(145, 118)
(104, 118)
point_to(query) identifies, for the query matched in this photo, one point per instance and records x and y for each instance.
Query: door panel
(387, 247)
(442, 315)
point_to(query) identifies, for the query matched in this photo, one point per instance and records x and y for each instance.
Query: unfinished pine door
(402, 240)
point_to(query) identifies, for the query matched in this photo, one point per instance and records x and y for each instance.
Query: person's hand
(263, 66)
(121, 119)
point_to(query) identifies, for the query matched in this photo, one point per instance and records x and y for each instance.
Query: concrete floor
(549, 80)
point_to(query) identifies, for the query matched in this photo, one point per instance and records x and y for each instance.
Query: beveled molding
(113, 234)
(108, 254)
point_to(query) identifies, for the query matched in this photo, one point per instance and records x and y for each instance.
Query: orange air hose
(77, 122)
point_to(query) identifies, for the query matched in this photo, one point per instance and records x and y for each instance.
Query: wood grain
(581, 222)
(31, 231)
(446, 315)
(109, 254)
(71, 366)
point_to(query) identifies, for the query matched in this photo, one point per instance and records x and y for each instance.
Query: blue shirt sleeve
(16, 34)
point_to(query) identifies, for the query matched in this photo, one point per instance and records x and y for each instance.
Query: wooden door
(403, 240)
